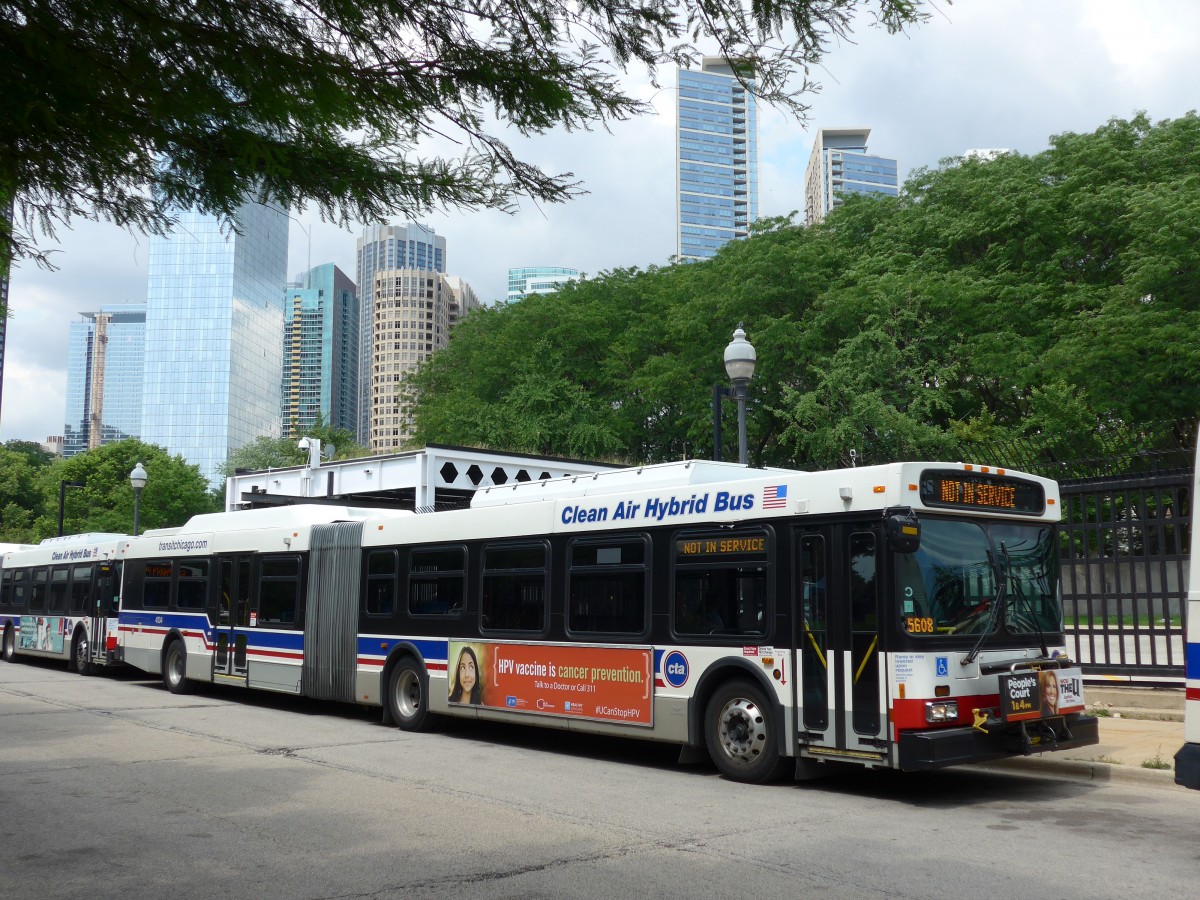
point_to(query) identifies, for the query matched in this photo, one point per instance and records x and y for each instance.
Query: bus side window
(81, 589)
(279, 590)
(514, 587)
(382, 566)
(436, 581)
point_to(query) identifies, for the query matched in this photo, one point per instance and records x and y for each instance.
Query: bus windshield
(951, 584)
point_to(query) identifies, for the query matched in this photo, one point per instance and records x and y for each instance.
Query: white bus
(59, 600)
(905, 615)
(1187, 760)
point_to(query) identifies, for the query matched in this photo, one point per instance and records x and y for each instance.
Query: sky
(981, 74)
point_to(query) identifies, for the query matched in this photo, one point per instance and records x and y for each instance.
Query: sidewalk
(1140, 731)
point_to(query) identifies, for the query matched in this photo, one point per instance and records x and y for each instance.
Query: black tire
(174, 670)
(408, 695)
(9, 649)
(740, 731)
(81, 660)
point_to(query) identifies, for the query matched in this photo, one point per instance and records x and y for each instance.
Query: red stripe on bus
(1192, 693)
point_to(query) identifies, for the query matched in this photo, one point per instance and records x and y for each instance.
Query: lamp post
(62, 499)
(137, 478)
(739, 366)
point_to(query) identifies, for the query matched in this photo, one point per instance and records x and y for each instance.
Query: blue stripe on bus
(375, 645)
(256, 637)
(1193, 661)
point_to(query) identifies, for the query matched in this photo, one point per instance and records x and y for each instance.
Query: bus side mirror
(903, 530)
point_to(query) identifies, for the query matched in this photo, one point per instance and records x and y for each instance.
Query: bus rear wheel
(739, 729)
(408, 695)
(174, 671)
(81, 657)
(9, 650)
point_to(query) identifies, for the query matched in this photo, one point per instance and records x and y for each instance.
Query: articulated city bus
(905, 615)
(59, 600)
(1187, 760)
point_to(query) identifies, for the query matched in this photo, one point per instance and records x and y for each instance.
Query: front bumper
(1187, 766)
(941, 747)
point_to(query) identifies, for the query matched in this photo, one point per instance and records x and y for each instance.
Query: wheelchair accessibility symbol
(943, 666)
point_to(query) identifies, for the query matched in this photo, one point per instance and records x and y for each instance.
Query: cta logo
(675, 669)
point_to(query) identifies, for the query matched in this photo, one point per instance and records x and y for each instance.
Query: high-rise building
(537, 280)
(840, 165)
(6, 213)
(716, 159)
(320, 351)
(106, 357)
(214, 326)
(381, 247)
(414, 312)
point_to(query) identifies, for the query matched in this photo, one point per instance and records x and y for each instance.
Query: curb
(1082, 771)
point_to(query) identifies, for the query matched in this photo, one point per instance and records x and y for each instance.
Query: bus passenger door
(105, 603)
(810, 623)
(234, 617)
(862, 719)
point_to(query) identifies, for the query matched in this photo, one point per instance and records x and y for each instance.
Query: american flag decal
(775, 497)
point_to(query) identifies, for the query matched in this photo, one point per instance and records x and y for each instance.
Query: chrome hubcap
(743, 731)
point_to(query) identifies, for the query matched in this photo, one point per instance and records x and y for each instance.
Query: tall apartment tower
(840, 165)
(214, 321)
(106, 358)
(716, 159)
(537, 280)
(414, 312)
(381, 247)
(320, 351)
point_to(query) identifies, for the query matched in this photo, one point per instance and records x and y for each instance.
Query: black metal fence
(1127, 518)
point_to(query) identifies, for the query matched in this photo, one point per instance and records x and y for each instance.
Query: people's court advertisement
(1041, 695)
(607, 684)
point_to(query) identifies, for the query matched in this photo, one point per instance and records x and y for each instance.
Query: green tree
(1049, 301)
(266, 452)
(175, 490)
(21, 501)
(125, 109)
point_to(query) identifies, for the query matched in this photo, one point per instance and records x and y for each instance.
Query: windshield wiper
(995, 612)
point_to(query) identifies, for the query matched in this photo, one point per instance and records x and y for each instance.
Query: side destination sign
(659, 509)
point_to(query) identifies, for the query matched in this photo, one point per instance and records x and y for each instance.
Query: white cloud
(980, 74)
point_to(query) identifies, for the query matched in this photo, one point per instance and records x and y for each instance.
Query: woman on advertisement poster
(467, 685)
(1049, 693)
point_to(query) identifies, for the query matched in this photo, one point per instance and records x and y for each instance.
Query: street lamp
(137, 478)
(739, 366)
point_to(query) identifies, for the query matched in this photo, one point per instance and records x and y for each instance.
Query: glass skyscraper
(6, 213)
(214, 334)
(381, 247)
(537, 280)
(840, 165)
(716, 159)
(320, 351)
(105, 372)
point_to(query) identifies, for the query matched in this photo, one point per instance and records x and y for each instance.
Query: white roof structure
(436, 477)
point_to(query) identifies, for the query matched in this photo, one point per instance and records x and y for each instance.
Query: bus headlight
(941, 711)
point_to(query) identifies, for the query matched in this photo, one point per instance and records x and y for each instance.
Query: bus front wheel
(408, 695)
(81, 654)
(174, 671)
(10, 645)
(739, 728)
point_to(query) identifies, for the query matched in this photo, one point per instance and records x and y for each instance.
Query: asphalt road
(113, 787)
